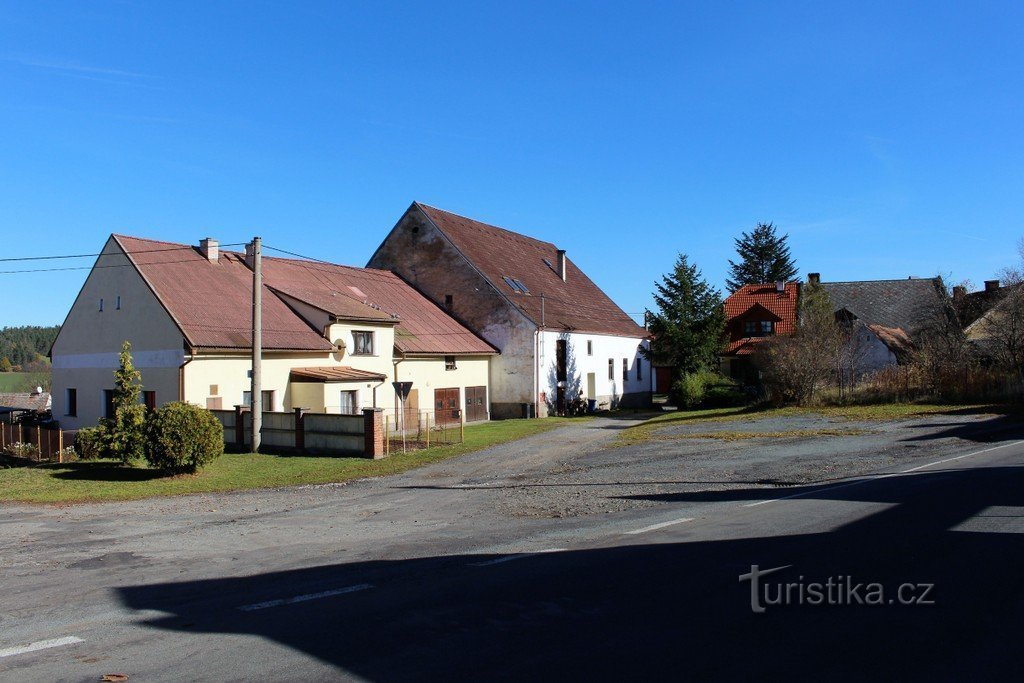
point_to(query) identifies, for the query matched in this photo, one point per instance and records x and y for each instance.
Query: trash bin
(591, 405)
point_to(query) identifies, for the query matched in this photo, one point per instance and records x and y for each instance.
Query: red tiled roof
(756, 300)
(337, 374)
(575, 304)
(423, 327)
(212, 302)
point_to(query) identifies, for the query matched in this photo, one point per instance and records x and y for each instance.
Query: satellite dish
(339, 348)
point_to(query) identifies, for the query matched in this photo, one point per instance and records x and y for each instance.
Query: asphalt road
(430, 576)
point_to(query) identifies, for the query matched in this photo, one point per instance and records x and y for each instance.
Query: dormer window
(758, 328)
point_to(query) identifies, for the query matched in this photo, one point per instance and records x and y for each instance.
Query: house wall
(869, 352)
(429, 373)
(609, 393)
(85, 353)
(419, 254)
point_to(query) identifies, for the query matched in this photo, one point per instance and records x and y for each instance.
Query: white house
(557, 332)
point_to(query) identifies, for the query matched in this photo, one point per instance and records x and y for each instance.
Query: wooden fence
(47, 442)
(307, 433)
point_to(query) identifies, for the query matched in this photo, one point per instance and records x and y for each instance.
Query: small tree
(795, 367)
(123, 434)
(5, 364)
(688, 326)
(764, 257)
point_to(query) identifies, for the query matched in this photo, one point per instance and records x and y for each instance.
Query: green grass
(882, 412)
(23, 382)
(108, 481)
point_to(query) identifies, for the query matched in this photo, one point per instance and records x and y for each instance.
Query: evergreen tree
(124, 432)
(764, 257)
(688, 325)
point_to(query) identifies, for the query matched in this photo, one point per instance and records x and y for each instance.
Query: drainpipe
(181, 374)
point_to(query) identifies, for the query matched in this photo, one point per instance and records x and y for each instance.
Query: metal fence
(418, 429)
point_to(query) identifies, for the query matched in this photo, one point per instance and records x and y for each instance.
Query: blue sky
(885, 138)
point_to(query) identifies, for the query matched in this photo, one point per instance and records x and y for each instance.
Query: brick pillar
(300, 431)
(373, 433)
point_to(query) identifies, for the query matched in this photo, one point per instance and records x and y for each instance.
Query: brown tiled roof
(575, 304)
(39, 403)
(423, 327)
(759, 302)
(212, 302)
(341, 304)
(336, 374)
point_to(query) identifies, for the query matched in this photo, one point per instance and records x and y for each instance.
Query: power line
(131, 253)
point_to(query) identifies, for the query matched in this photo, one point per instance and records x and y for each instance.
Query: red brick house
(753, 313)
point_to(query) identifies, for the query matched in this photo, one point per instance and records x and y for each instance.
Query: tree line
(25, 348)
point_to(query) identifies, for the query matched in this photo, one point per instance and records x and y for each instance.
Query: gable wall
(85, 353)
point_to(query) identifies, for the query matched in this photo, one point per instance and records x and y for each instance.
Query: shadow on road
(673, 610)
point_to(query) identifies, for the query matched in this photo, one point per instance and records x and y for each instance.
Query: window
(758, 328)
(71, 402)
(149, 398)
(108, 404)
(448, 300)
(214, 390)
(363, 343)
(268, 400)
(639, 372)
(590, 347)
(515, 285)
(101, 305)
(119, 302)
(625, 369)
(348, 403)
(449, 363)
(521, 286)
(611, 368)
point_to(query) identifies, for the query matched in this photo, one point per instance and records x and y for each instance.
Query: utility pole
(257, 343)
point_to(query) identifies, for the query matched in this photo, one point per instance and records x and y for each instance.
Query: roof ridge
(148, 239)
(488, 225)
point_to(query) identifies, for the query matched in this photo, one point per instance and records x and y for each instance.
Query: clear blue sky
(885, 138)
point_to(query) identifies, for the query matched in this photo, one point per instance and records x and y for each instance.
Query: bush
(89, 443)
(725, 393)
(181, 437)
(689, 390)
(22, 450)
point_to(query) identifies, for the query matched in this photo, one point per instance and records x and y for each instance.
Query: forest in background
(25, 349)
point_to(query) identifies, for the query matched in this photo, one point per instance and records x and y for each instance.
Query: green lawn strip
(23, 382)
(646, 431)
(109, 481)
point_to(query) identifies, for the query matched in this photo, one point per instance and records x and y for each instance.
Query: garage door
(476, 404)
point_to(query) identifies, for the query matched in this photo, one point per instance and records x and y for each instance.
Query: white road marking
(40, 645)
(659, 525)
(858, 482)
(305, 598)
(518, 556)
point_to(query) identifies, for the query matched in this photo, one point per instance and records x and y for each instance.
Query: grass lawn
(107, 480)
(647, 430)
(23, 382)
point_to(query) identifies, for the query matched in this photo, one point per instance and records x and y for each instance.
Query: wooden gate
(476, 404)
(446, 406)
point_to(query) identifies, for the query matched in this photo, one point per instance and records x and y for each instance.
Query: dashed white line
(858, 482)
(517, 556)
(40, 645)
(659, 525)
(305, 598)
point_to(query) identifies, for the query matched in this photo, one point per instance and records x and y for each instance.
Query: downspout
(181, 374)
(395, 364)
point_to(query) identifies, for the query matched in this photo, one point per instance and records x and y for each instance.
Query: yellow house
(334, 337)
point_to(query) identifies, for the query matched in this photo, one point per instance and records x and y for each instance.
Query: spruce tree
(764, 257)
(688, 326)
(124, 432)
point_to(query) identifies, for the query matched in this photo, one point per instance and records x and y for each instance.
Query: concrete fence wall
(307, 433)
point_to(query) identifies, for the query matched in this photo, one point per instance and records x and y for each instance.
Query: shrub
(725, 393)
(89, 443)
(689, 390)
(67, 454)
(181, 437)
(22, 450)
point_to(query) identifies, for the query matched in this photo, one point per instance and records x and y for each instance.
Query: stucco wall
(582, 366)
(428, 374)
(85, 353)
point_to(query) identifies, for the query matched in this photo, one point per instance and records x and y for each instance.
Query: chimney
(561, 264)
(780, 286)
(249, 255)
(959, 292)
(210, 248)
(814, 278)
(991, 285)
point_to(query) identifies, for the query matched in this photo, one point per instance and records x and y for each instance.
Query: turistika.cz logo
(836, 590)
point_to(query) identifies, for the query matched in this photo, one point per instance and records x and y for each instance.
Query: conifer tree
(763, 257)
(124, 432)
(688, 326)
